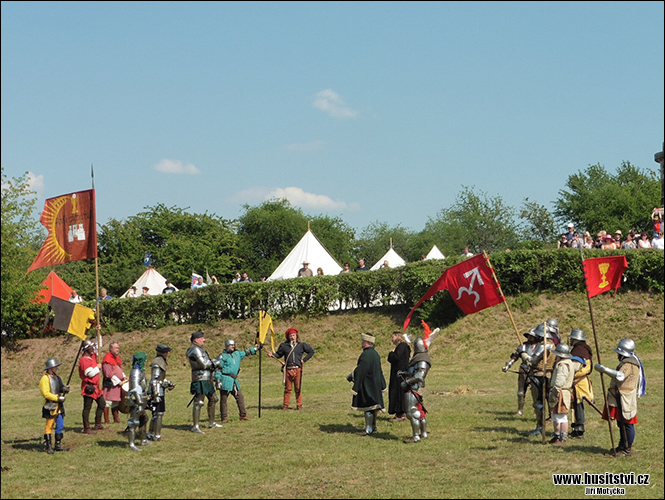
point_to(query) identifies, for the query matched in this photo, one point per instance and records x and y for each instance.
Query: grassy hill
(477, 447)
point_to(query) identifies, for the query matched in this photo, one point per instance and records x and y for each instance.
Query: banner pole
(505, 301)
(98, 318)
(545, 399)
(595, 340)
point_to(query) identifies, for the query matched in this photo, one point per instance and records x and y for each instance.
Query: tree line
(181, 242)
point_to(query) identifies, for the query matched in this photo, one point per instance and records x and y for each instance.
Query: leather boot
(58, 442)
(106, 415)
(87, 429)
(116, 415)
(98, 425)
(48, 444)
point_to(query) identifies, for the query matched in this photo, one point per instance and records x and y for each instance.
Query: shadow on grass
(351, 429)
(506, 415)
(113, 444)
(33, 444)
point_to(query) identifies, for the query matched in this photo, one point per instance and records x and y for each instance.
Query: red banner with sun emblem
(72, 229)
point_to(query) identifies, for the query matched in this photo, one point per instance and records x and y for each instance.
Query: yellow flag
(265, 324)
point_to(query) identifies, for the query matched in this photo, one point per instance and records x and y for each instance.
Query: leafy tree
(374, 241)
(539, 226)
(597, 200)
(476, 221)
(180, 243)
(20, 239)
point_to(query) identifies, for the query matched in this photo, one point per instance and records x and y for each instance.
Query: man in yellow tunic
(53, 411)
(582, 361)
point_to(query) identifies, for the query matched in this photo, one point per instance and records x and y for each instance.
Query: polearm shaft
(98, 318)
(595, 340)
(510, 314)
(260, 372)
(543, 432)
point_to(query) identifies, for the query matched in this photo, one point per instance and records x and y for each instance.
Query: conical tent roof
(435, 253)
(308, 249)
(153, 280)
(394, 260)
(55, 287)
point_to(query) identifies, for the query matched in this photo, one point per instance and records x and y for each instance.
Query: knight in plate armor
(202, 384)
(539, 371)
(523, 380)
(413, 380)
(159, 384)
(137, 401)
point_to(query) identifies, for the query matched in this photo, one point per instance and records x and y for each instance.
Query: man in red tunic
(89, 369)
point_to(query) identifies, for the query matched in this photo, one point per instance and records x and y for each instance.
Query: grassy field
(477, 447)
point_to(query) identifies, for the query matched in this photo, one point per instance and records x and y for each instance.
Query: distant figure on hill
(305, 270)
(361, 266)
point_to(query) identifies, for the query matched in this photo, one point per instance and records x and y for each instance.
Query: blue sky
(366, 111)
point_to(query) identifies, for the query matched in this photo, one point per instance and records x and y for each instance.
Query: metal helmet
(419, 346)
(539, 332)
(51, 363)
(577, 334)
(626, 347)
(229, 342)
(88, 344)
(562, 350)
(552, 326)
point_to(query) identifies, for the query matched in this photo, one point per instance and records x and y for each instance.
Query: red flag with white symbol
(470, 283)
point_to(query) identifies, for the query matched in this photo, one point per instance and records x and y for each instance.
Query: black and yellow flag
(71, 318)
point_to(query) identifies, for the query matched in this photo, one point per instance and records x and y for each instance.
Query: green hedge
(518, 272)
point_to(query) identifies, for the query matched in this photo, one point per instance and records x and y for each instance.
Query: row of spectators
(606, 241)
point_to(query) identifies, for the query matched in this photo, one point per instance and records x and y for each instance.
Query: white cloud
(296, 196)
(36, 183)
(329, 101)
(175, 167)
(305, 146)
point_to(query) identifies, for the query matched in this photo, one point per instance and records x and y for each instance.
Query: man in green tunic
(368, 384)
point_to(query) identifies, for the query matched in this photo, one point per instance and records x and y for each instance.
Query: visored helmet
(229, 342)
(50, 363)
(552, 326)
(577, 334)
(626, 347)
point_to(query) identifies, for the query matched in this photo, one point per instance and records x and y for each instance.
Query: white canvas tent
(434, 253)
(394, 260)
(309, 249)
(153, 280)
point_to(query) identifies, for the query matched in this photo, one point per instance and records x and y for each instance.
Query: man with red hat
(292, 350)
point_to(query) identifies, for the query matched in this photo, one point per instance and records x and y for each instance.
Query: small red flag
(471, 285)
(72, 229)
(603, 273)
